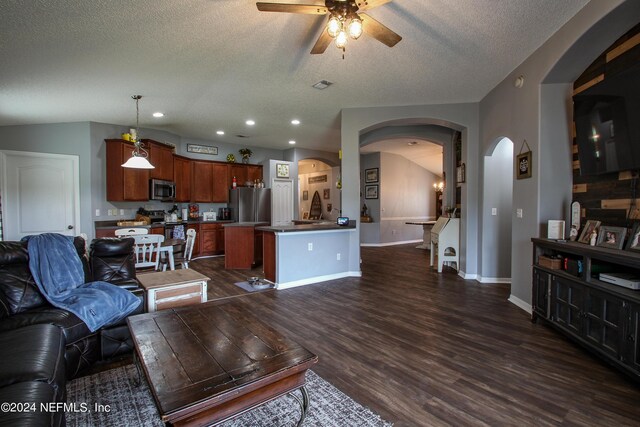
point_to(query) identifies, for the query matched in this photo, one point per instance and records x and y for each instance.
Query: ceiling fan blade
(379, 31)
(309, 9)
(322, 43)
(370, 4)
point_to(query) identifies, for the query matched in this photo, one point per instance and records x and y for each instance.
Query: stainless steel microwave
(163, 191)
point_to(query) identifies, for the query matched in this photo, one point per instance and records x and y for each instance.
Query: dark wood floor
(421, 348)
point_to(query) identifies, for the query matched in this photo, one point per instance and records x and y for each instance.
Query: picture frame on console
(587, 230)
(634, 238)
(611, 237)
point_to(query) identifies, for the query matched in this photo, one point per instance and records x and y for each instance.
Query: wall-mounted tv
(607, 119)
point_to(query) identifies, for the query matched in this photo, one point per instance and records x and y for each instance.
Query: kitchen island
(296, 255)
(242, 245)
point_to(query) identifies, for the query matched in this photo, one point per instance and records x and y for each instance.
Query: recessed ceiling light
(250, 122)
(158, 114)
(295, 122)
(292, 142)
(322, 84)
(220, 132)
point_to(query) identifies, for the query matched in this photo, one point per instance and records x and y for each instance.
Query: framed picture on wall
(371, 192)
(305, 195)
(326, 194)
(523, 165)
(371, 175)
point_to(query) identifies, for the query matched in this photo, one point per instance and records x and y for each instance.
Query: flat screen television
(607, 120)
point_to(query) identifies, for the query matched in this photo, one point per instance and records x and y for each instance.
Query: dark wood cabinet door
(632, 338)
(567, 299)
(201, 182)
(220, 183)
(240, 172)
(220, 240)
(135, 182)
(212, 239)
(254, 172)
(160, 156)
(603, 321)
(541, 287)
(182, 178)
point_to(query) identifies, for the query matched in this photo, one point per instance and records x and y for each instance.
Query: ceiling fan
(345, 20)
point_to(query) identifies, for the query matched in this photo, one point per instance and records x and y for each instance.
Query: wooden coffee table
(210, 362)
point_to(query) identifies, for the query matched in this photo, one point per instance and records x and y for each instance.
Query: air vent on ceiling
(241, 136)
(322, 84)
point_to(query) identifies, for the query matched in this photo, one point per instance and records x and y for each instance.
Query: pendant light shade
(139, 155)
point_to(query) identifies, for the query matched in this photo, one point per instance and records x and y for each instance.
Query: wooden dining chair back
(121, 232)
(147, 250)
(188, 247)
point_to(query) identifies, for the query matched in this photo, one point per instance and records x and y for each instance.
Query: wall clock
(282, 170)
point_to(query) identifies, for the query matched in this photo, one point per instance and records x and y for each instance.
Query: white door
(281, 202)
(40, 194)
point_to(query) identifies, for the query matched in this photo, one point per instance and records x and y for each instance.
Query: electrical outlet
(494, 211)
(519, 213)
(97, 212)
(121, 211)
(310, 246)
(338, 256)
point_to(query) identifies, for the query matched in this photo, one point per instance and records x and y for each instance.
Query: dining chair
(188, 248)
(183, 255)
(147, 250)
(131, 231)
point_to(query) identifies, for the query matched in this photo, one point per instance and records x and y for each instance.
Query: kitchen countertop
(108, 225)
(246, 224)
(308, 227)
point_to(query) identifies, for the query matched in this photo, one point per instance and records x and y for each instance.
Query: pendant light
(139, 155)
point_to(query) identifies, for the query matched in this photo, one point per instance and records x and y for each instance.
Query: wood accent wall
(607, 197)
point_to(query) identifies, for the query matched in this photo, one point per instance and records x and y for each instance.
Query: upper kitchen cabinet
(220, 189)
(201, 181)
(160, 156)
(124, 184)
(245, 174)
(182, 178)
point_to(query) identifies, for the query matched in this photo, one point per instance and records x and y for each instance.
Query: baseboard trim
(466, 276)
(317, 279)
(379, 245)
(494, 279)
(520, 303)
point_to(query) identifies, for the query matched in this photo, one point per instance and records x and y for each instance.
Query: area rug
(111, 398)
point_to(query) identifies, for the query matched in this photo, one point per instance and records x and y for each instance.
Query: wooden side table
(176, 288)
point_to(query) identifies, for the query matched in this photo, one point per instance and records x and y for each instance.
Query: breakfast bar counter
(295, 255)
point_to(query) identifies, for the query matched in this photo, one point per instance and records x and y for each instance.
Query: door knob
(69, 227)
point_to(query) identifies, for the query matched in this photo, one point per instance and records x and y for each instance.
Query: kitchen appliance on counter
(250, 204)
(209, 216)
(162, 191)
(224, 214)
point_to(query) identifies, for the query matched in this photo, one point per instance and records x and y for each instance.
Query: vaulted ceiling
(210, 65)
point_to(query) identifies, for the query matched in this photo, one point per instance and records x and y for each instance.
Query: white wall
(334, 193)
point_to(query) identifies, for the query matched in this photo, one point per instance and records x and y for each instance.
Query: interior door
(281, 202)
(40, 194)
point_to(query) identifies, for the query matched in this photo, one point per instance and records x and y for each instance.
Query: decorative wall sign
(202, 149)
(319, 178)
(370, 191)
(461, 173)
(523, 162)
(326, 194)
(282, 170)
(371, 175)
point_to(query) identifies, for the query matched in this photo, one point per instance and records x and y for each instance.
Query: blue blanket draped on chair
(57, 270)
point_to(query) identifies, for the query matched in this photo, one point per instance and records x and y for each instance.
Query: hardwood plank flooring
(428, 349)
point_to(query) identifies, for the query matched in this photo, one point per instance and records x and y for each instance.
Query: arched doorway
(497, 196)
(315, 175)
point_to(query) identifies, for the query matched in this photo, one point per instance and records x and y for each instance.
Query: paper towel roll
(185, 214)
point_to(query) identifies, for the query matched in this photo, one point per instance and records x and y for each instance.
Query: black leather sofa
(41, 346)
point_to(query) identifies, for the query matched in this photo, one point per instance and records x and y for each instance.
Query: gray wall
(495, 257)
(59, 138)
(539, 113)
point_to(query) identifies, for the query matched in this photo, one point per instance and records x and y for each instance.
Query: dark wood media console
(603, 317)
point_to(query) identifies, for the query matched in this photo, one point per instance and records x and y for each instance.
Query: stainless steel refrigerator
(250, 204)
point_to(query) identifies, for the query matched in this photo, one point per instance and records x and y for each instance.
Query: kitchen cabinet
(201, 181)
(124, 184)
(182, 178)
(161, 157)
(212, 239)
(220, 184)
(244, 173)
(602, 317)
(243, 246)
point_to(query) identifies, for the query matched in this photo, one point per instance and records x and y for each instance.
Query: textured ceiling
(211, 64)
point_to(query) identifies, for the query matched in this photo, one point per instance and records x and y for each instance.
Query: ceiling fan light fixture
(355, 28)
(334, 26)
(341, 40)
